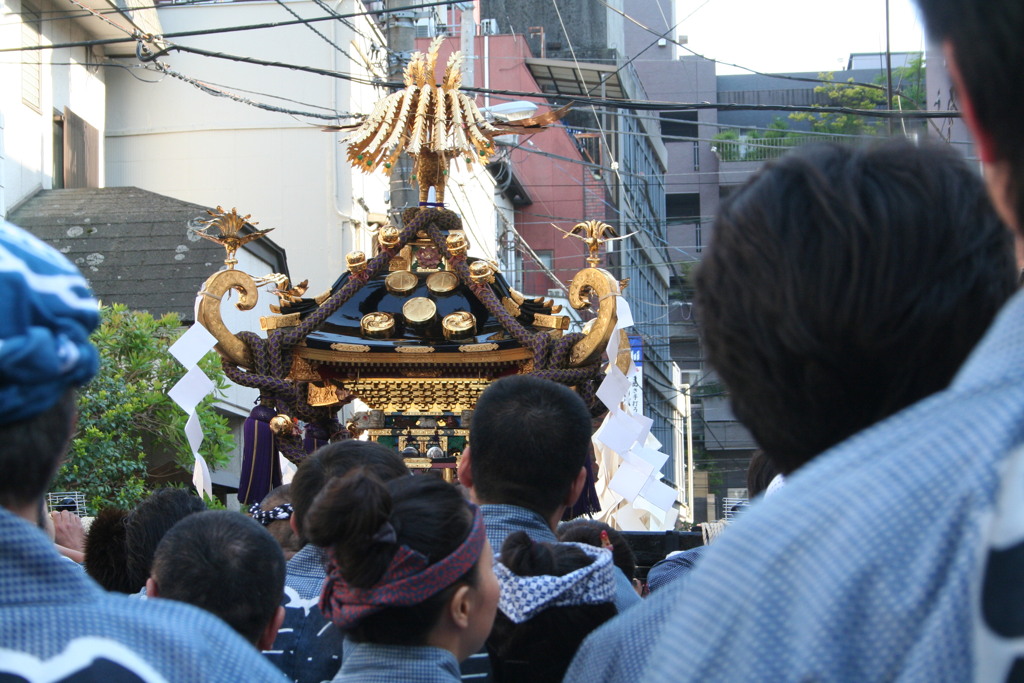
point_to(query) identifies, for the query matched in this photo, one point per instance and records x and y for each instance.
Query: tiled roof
(134, 246)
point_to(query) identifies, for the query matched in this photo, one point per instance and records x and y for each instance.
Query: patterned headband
(265, 517)
(523, 597)
(409, 580)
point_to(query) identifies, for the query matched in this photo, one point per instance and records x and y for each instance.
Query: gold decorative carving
(229, 346)
(457, 244)
(356, 261)
(276, 322)
(511, 306)
(414, 349)
(282, 425)
(387, 361)
(350, 348)
(401, 282)
(418, 463)
(458, 325)
(320, 298)
(419, 310)
(303, 370)
(481, 272)
(555, 322)
(590, 286)
(422, 397)
(516, 296)
(478, 348)
(420, 372)
(378, 325)
(229, 225)
(388, 237)
(322, 396)
(442, 282)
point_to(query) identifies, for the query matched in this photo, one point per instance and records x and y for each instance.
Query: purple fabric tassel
(587, 504)
(315, 437)
(261, 470)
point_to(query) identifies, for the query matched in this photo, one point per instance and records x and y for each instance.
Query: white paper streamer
(189, 392)
(629, 481)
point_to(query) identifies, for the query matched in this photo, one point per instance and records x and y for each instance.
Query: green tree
(850, 96)
(908, 85)
(126, 410)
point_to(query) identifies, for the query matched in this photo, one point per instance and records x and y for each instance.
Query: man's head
(274, 513)
(337, 460)
(986, 56)
(226, 564)
(528, 444)
(844, 284)
(146, 525)
(44, 353)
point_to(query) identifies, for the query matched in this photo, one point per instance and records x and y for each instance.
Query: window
(682, 207)
(678, 124)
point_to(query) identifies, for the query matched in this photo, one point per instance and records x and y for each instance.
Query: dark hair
(589, 531)
(842, 285)
(32, 450)
(146, 525)
(336, 460)
(760, 472)
(540, 649)
(226, 564)
(428, 515)
(281, 529)
(105, 559)
(990, 58)
(528, 440)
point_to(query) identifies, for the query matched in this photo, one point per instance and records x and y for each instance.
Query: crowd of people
(857, 303)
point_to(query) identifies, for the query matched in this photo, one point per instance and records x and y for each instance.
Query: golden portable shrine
(418, 329)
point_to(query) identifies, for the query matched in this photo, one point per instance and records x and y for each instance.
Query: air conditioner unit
(488, 27)
(425, 28)
(557, 291)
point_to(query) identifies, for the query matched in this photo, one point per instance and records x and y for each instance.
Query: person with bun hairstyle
(552, 596)
(601, 535)
(410, 576)
(309, 648)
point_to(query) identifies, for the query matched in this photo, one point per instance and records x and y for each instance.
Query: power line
(738, 66)
(227, 29)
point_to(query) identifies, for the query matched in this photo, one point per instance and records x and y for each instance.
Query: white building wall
(170, 137)
(26, 151)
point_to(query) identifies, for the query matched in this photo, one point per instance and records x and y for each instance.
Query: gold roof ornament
(415, 327)
(434, 122)
(229, 225)
(594, 232)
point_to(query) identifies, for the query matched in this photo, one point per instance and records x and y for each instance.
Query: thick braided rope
(272, 356)
(550, 356)
(374, 266)
(537, 343)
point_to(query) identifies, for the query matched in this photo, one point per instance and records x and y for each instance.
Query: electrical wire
(229, 29)
(737, 66)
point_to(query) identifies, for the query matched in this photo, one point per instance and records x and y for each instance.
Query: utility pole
(401, 35)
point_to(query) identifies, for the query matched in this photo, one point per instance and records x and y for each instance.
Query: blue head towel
(48, 313)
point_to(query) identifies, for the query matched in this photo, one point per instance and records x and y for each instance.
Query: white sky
(795, 35)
